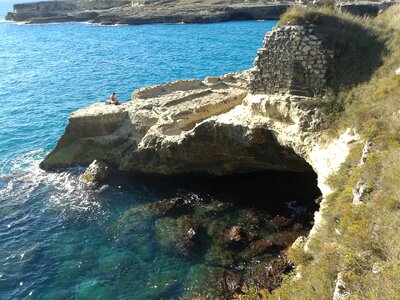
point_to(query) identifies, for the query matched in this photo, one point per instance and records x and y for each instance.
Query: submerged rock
(167, 207)
(206, 278)
(218, 255)
(171, 206)
(281, 221)
(268, 274)
(96, 172)
(234, 237)
(179, 234)
(233, 282)
(257, 248)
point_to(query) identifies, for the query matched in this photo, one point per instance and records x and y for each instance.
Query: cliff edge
(323, 95)
(266, 118)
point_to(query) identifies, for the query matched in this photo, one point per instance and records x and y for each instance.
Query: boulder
(218, 255)
(96, 172)
(268, 274)
(178, 235)
(281, 222)
(259, 247)
(234, 236)
(173, 206)
(233, 282)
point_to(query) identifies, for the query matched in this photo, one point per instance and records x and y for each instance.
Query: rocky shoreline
(235, 237)
(266, 118)
(165, 11)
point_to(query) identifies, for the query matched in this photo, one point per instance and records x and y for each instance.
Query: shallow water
(62, 239)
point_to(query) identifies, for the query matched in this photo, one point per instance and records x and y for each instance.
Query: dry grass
(365, 246)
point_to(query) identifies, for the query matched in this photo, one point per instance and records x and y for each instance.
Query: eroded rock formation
(266, 118)
(230, 124)
(145, 11)
(163, 11)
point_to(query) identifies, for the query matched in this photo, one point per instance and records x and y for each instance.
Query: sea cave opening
(239, 226)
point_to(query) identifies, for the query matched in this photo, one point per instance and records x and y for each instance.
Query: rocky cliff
(163, 11)
(266, 118)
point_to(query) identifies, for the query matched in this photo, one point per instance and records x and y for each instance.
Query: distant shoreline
(119, 12)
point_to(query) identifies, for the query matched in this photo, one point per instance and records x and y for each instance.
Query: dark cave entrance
(243, 223)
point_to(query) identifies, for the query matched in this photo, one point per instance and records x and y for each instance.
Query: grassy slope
(365, 246)
(362, 242)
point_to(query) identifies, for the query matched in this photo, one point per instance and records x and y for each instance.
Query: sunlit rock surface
(175, 11)
(219, 126)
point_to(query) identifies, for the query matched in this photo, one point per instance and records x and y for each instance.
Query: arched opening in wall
(237, 227)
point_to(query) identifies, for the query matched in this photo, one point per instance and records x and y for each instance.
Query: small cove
(61, 239)
(84, 242)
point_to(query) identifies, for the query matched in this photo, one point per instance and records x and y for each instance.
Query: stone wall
(292, 60)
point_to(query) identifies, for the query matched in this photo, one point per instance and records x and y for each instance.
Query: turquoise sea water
(60, 239)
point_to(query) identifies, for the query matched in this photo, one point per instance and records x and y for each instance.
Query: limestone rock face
(174, 11)
(221, 125)
(145, 11)
(96, 172)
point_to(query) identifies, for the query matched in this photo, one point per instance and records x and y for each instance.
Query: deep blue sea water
(58, 237)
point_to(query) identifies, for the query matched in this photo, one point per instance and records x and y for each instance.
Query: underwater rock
(232, 281)
(96, 172)
(218, 255)
(269, 274)
(249, 217)
(206, 278)
(234, 236)
(213, 209)
(284, 239)
(179, 234)
(281, 222)
(257, 248)
(169, 206)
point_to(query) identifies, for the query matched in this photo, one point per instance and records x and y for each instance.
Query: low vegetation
(362, 242)
(359, 242)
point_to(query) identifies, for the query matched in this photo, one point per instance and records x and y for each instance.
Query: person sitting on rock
(113, 99)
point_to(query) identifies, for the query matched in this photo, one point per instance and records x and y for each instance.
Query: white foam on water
(62, 190)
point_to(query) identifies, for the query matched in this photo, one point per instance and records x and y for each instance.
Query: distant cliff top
(165, 11)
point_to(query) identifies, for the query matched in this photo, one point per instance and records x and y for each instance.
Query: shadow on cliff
(266, 190)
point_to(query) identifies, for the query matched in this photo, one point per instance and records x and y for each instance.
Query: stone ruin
(292, 60)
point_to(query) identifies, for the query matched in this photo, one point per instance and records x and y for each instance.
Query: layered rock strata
(194, 126)
(163, 11)
(145, 11)
(223, 125)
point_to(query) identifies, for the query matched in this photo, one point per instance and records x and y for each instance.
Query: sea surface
(59, 238)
